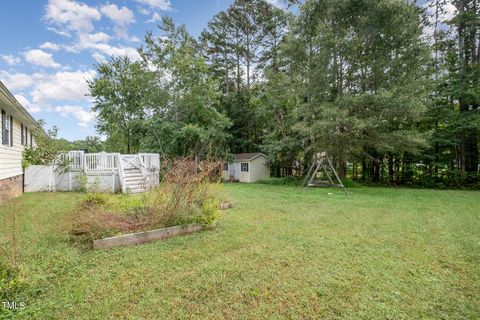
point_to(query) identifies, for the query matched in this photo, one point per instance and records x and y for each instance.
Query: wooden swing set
(322, 163)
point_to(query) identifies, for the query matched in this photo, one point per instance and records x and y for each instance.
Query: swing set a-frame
(315, 178)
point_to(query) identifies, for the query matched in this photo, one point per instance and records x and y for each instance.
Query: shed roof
(247, 156)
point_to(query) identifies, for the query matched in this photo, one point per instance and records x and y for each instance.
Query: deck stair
(134, 181)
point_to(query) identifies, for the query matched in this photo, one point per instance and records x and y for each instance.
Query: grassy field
(280, 253)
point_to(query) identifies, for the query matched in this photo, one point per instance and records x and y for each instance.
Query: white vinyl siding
(11, 156)
(259, 169)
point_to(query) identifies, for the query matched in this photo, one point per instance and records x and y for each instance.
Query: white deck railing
(100, 163)
(74, 160)
(106, 163)
(150, 160)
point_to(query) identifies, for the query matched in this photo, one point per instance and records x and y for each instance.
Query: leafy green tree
(189, 122)
(91, 144)
(46, 148)
(124, 95)
(364, 70)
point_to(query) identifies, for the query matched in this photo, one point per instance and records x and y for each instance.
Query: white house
(247, 167)
(16, 133)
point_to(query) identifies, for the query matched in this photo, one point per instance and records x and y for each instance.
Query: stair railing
(144, 171)
(121, 173)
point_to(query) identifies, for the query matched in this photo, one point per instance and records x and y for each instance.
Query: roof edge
(17, 104)
(252, 158)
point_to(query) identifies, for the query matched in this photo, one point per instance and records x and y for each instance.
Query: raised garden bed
(152, 235)
(145, 236)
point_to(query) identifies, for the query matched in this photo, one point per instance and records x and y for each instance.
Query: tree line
(389, 88)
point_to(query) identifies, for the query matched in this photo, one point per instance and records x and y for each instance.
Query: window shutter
(4, 124)
(31, 139)
(26, 136)
(22, 135)
(11, 131)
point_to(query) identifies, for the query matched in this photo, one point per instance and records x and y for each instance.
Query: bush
(96, 222)
(210, 212)
(94, 199)
(186, 193)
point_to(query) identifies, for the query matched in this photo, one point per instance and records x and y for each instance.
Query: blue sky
(48, 49)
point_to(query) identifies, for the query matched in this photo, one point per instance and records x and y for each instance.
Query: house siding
(258, 169)
(11, 156)
(11, 171)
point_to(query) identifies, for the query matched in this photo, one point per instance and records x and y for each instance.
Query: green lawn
(280, 253)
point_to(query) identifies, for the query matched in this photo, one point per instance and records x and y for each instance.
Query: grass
(279, 253)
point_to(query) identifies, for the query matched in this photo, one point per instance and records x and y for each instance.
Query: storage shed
(247, 167)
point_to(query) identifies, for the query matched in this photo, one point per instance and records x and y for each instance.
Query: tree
(91, 144)
(365, 77)
(46, 149)
(240, 45)
(466, 82)
(124, 94)
(188, 123)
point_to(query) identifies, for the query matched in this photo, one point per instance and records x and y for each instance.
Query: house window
(225, 166)
(31, 139)
(26, 136)
(6, 128)
(11, 131)
(22, 136)
(244, 167)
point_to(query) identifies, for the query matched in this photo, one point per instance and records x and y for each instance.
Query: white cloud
(163, 5)
(67, 15)
(62, 86)
(31, 107)
(154, 18)
(16, 81)
(108, 50)
(50, 46)
(41, 58)
(121, 17)
(83, 116)
(86, 39)
(151, 7)
(11, 60)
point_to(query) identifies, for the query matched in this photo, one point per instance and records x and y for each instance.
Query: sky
(49, 48)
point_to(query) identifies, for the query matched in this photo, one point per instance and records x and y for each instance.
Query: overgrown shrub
(189, 193)
(94, 199)
(187, 187)
(98, 222)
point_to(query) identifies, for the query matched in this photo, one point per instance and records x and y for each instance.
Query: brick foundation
(10, 188)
